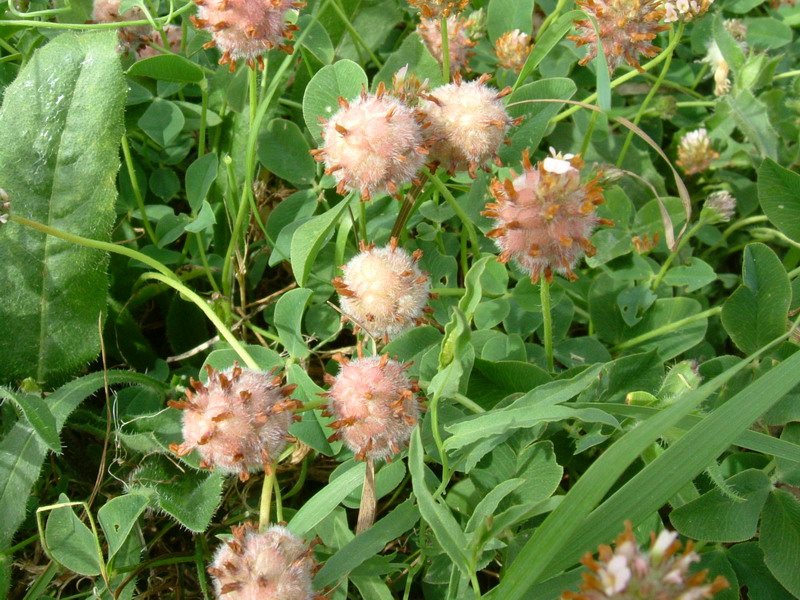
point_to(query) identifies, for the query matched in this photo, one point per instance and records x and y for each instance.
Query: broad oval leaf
(777, 194)
(283, 150)
(70, 542)
(168, 67)
(60, 128)
(780, 538)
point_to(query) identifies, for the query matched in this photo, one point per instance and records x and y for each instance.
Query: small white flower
(614, 578)
(558, 163)
(663, 541)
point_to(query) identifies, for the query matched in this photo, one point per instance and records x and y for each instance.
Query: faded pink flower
(695, 153)
(459, 45)
(468, 122)
(244, 29)
(627, 28)
(238, 421)
(274, 565)
(685, 10)
(372, 144)
(383, 290)
(628, 573)
(375, 406)
(174, 35)
(544, 217)
(512, 49)
(107, 11)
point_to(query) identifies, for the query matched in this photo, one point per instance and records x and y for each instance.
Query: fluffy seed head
(459, 44)
(468, 123)
(274, 565)
(626, 572)
(375, 406)
(627, 28)
(238, 421)
(512, 49)
(372, 144)
(544, 217)
(244, 29)
(107, 11)
(174, 36)
(695, 153)
(685, 10)
(433, 9)
(383, 290)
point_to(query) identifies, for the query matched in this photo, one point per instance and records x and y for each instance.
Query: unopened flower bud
(719, 207)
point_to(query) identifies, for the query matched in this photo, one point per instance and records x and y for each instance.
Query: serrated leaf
(321, 99)
(780, 538)
(757, 311)
(38, 415)
(718, 518)
(60, 128)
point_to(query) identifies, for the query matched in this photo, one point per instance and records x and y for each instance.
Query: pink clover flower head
(375, 406)
(544, 217)
(238, 421)
(627, 28)
(695, 153)
(273, 565)
(245, 29)
(372, 144)
(512, 49)
(459, 45)
(626, 572)
(468, 122)
(383, 290)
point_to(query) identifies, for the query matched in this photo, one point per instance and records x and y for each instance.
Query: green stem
(730, 230)
(201, 139)
(787, 74)
(126, 151)
(433, 409)
(356, 35)
(362, 220)
(651, 94)
(668, 263)
(80, 26)
(668, 328)
(204, 259)
(551, 17)
(470, 405)
(465, 220)
(621, 79)
(774, 233)
(266, 499)
(445, 50)
(547, 315)
(693, 103)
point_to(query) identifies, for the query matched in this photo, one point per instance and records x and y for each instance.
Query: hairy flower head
(544, 217)
(718, 207)
(107, 11)
(244, 29)
(512, 49)
(468, 122)
(375, 405)
(273, 565)
(695, 153)
(238, 421)
(433, 9)
(459, 44)
(626, 572)
(383, 290)
(372, 144)
(627, 28)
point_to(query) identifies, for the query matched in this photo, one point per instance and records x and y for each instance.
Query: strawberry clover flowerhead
(628, 573)
(719, 207)
(372, 144)
(433, 9)
(468, 122)
(695, 153)
(459, 45)
(375, 405)
(273, 565)
(627, 28)
(245, 29)
(383, 290)
(544, 217)
(512, 49)
(238, 421)
(107, 11)
(685, 10)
